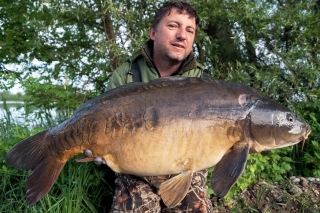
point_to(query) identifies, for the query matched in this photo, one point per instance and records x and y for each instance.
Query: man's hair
(180, 5)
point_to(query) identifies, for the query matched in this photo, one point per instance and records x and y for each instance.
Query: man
(167, 53)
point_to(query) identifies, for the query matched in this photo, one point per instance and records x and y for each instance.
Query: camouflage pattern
(138, 195)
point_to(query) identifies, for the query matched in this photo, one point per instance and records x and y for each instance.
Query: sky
(16, 89)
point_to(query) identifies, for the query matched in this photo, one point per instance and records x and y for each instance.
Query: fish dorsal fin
(175, 189)
(229, 168)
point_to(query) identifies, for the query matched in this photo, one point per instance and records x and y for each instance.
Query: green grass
(81, 187)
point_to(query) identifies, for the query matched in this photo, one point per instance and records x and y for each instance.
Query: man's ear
(152, 33)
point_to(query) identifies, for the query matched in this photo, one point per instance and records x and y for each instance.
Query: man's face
(174, 36)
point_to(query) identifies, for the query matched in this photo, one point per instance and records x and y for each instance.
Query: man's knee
(196, 199)
(133, 195)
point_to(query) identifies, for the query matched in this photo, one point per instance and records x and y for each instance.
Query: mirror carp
(169, 126)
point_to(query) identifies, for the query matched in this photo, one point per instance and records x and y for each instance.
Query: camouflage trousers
(137, 194)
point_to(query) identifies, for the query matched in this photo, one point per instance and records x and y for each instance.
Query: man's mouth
(178, 45)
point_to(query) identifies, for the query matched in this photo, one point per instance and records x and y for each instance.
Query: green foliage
(41, 98)
(79, 188)
(310, 157)
(271, 46)
(7, 96)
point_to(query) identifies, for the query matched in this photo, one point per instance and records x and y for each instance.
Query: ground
(298, 194)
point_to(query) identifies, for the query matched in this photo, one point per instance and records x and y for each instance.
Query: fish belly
(177, 146)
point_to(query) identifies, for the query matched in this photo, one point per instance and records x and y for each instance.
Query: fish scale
(175, 125)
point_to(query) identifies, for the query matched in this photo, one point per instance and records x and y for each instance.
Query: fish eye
(290, 117)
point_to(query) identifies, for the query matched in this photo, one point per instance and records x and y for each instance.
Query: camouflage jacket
(148, 71)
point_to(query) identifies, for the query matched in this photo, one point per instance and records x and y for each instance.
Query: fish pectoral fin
(175, 189)
(229, 168)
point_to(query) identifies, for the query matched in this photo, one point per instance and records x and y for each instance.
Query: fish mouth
(301, 139)
(283, 145)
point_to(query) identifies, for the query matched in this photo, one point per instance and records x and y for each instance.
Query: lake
(15, 112)
(16, 109)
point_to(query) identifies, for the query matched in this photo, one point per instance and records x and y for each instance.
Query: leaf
(287, 159)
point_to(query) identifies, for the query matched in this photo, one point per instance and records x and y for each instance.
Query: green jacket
(147, 69)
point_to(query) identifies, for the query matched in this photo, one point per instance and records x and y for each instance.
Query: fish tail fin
(42, 178)
(33, 154)
(26, 154)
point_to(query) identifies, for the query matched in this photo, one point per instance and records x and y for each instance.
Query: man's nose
(181, 34)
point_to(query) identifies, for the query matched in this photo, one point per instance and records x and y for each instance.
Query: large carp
(168, 126)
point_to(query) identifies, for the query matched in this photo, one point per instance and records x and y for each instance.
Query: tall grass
(79, 187)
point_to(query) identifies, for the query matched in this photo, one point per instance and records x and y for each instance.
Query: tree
(77, 44)
(68, 45)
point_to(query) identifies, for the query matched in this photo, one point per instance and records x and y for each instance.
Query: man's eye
(172, 25)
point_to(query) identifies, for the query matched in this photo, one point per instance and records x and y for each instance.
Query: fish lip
(279, 147)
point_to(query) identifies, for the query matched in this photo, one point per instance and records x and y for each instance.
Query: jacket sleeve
(118, 76)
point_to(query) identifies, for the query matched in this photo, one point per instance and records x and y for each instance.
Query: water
(15, 112)
(12, 103)
(14, 109)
